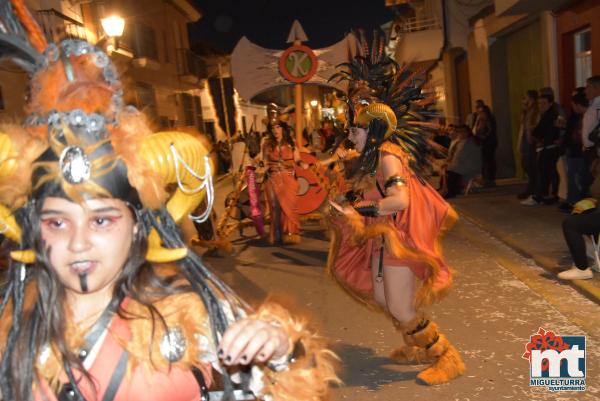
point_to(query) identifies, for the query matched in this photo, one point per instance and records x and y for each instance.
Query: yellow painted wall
(525, 71)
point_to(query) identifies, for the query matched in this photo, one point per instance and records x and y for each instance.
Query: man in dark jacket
(546, 135)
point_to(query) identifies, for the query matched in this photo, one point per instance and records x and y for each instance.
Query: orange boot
(425, 343)
(409, 354)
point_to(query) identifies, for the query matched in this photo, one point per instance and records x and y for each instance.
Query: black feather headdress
(374, 77)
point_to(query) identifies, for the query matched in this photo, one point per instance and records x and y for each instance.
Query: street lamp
(113, 26)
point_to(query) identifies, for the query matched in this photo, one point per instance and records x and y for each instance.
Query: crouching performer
(389, 222)
(102, 300)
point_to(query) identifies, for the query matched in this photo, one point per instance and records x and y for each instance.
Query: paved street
(500, 299)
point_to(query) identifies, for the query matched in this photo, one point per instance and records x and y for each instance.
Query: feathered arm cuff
(308, 369)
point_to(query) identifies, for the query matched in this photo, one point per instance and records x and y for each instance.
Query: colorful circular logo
(298, 64)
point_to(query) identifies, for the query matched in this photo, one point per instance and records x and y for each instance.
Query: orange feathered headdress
(81, 141)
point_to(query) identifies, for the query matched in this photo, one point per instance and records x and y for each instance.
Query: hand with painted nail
(253, 341)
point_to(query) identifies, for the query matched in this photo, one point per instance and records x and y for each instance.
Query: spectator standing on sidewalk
(586, 222)
(573, 146)
(485, 132)
(529, 118)
(546, 135)
(561, 122)
(591, 119)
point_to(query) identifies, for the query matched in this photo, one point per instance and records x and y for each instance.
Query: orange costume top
(410, 238)
(110, 365)
(122, 368)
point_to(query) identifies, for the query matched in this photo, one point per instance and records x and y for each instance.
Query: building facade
(496, 50)
(578, 44)
(160, 74)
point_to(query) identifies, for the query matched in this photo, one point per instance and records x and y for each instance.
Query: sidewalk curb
(583, 286)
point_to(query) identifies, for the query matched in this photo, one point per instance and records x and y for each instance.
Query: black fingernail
(244, 358)
(221, 352)
(261, 356)
(228, 359)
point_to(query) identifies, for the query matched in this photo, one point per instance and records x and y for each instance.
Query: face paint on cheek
(83, 282)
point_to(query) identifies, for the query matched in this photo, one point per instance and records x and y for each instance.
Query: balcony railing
(418, 24)
(190, 64)
(57, 26)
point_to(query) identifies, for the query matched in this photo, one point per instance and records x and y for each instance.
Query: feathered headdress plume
(380, 88)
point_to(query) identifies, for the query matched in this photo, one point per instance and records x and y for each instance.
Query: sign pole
(299, 108)
(224, 104)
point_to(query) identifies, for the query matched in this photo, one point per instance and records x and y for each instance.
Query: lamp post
(113, 27)
(314, 113)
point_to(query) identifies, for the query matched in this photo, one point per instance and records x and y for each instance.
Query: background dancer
(280, 154)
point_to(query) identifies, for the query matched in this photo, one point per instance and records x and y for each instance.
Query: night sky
(268, 22)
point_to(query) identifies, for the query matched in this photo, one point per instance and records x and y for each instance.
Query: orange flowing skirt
(282, 188)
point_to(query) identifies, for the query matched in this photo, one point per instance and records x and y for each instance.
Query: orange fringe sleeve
(307, 378)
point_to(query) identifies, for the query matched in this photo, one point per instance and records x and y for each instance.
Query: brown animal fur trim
(439, 347)
(182, 311)
(448, 366)
(16, 167)
(423, 338)
(185, 312)
(426, 295)
(365, 299)
(308, 378)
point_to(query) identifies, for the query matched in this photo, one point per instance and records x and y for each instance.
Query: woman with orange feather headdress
(388, 235)
(102, 299)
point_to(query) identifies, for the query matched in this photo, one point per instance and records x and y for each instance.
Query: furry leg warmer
(409, 354)
(424, 342)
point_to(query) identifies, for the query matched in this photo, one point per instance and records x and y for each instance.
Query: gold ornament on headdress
(379, 111)
(177, 158)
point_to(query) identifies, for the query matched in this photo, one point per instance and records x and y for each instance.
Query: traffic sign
(298, 64)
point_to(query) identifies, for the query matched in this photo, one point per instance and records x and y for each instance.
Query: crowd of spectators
(581, 142)
(549, 136)
(471, 152)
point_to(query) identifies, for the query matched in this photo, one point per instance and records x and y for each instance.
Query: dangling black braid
(369, 158)
(16, 295)
(15, 292)
(202, 281)
(32, 346)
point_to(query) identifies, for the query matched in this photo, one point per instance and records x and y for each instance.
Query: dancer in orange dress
(386, 240)
(281, 155)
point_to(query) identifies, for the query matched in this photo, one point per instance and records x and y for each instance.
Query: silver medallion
(74, 165)
(173, 345)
